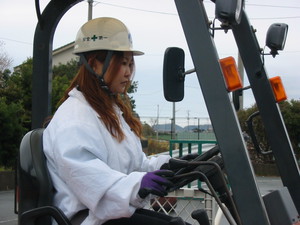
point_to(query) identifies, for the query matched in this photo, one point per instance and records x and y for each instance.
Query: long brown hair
(100, 100)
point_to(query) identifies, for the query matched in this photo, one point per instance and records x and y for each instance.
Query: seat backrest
(34, 182)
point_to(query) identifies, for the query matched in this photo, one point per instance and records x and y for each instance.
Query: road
(7, 216)
(265, 186)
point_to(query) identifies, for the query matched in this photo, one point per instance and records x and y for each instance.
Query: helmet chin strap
(104, 69)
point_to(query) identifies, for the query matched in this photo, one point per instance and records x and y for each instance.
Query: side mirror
(276, 37)
(173, 74)
(236, 99)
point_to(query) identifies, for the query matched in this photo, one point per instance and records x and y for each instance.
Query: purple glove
(156, 183)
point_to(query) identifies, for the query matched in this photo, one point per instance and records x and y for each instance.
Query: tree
(68, 70)
(5, 60)
(11, 132)
(4, 77)
(19, 90)
(15, 111)
(290, 111)
(132, 89)
(147, 130)
(62, 76)
(291, 115)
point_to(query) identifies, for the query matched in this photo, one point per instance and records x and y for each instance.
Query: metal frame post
(268, 108)
(223, 116)
(42, 59)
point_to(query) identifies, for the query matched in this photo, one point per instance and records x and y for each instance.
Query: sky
(155, 26)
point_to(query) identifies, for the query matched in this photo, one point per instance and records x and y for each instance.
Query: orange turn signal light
(278, 89)
(232, 77)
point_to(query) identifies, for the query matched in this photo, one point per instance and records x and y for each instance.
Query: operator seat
(34, 191)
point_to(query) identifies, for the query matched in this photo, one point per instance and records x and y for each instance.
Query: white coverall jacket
(90, 169)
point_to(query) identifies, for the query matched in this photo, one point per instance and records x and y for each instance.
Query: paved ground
(265, 185)
(7, 216)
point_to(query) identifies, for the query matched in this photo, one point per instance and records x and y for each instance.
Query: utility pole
(173, 129)
(157, 122)
(198, 127)
(90, 10)
(188, 120)
(241, 72)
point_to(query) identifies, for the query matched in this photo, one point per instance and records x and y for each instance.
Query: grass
(2, 169)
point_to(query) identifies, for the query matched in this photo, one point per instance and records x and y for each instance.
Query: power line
(277, 18)
(289, 52)
(263, 5)
(175, 14)
(22, 42)
(136, 9)
(274, 6)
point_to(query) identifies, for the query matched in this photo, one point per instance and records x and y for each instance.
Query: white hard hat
(104, 33)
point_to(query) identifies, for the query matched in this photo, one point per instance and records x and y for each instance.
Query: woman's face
(122, 77)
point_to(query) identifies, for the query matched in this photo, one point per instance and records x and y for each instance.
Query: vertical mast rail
(223, 116)
(268, 108)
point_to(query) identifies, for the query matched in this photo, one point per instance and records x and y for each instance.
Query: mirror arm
(189, 71)
(182, 74)
(245, 88)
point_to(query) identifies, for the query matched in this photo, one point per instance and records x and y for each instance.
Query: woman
(92, 143)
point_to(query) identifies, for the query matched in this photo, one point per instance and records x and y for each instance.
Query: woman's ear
(94, 67)
(90, 61)
(97, 66)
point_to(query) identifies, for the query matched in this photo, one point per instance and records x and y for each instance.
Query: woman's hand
(156, 182)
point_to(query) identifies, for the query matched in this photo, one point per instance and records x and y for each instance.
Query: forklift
(234, 183)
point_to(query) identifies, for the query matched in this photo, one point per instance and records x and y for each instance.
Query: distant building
(63, 54)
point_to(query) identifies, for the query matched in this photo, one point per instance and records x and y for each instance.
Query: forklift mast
(223, 116)
(249, 202)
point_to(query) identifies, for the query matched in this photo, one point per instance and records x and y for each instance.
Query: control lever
(190, 166)
(201, 216)
(211, 173)
(176, 164)
(208, 154)
(203, 177)
(182, 166)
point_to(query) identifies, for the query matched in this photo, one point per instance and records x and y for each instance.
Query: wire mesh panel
(183, 202)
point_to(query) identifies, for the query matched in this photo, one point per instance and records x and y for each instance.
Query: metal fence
(205, 136)
(182, 124)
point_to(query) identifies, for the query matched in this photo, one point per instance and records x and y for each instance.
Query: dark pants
(147, 217)
(140, 217)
